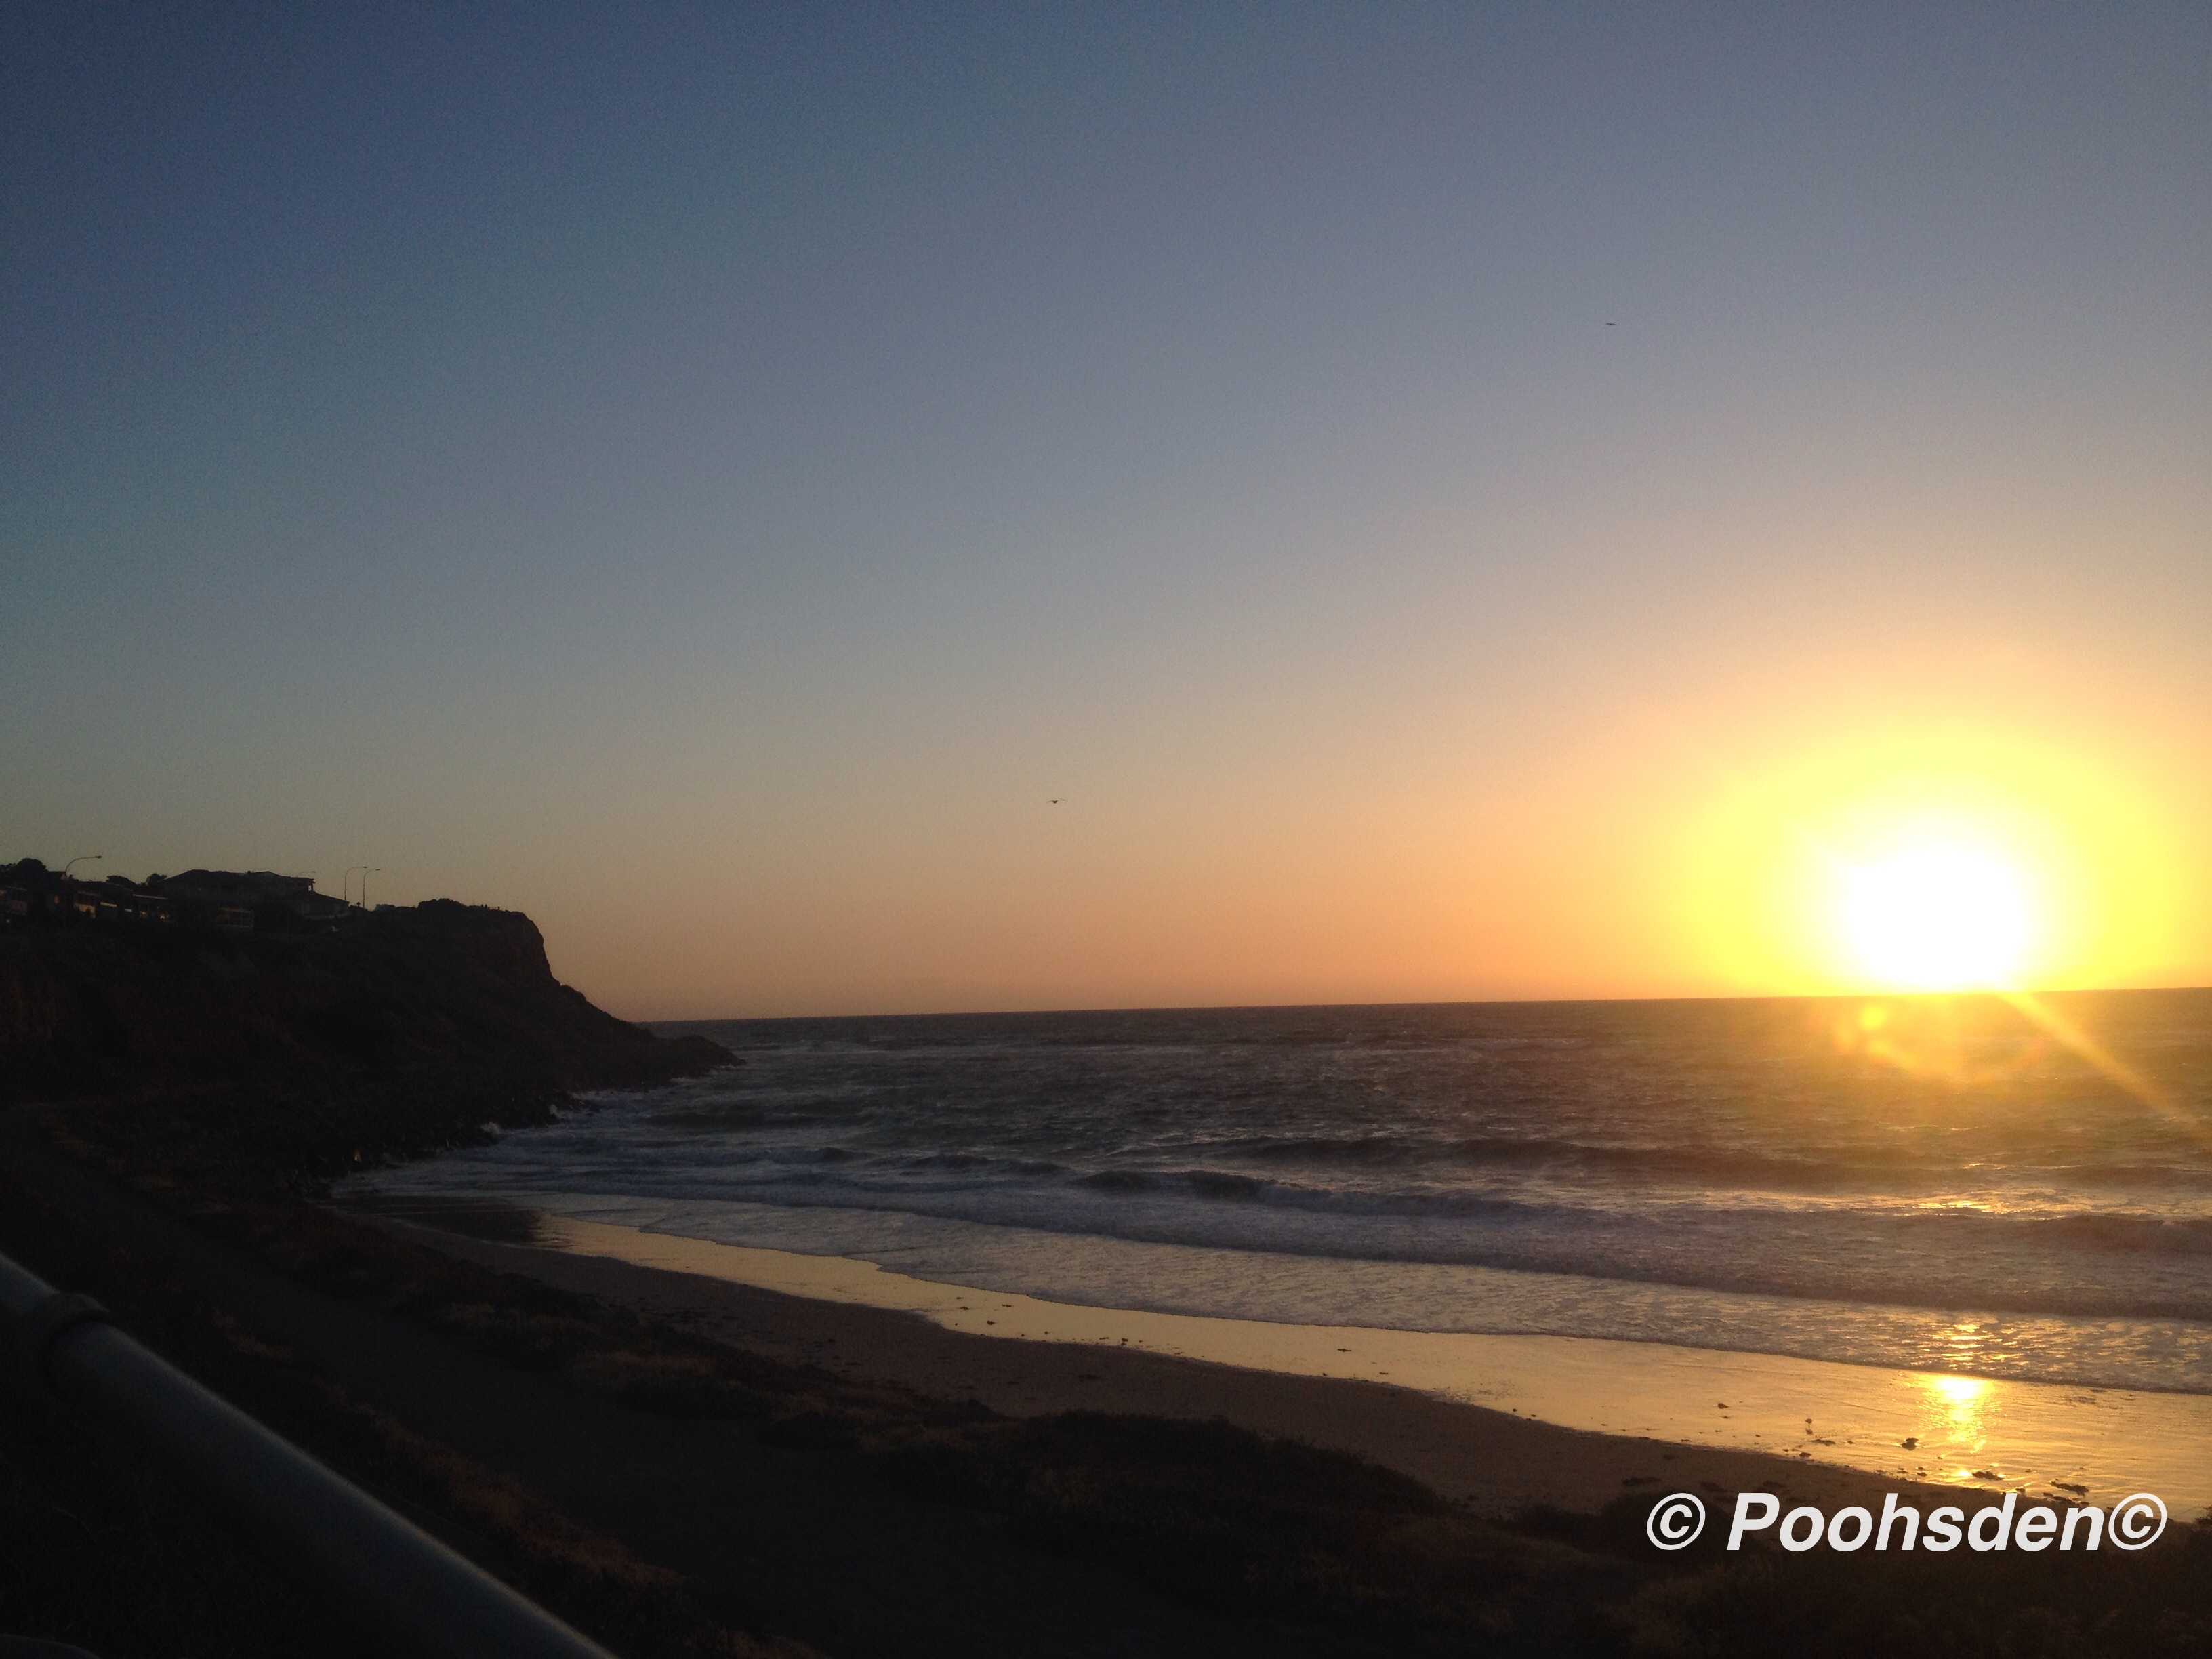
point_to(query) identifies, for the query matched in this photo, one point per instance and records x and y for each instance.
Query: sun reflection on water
(1941, 1040)
(1956, 1415)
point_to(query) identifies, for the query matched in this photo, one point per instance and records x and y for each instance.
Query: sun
(1938, 916)
(1951, 858)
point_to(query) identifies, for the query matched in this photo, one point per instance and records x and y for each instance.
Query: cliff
(399, 1032)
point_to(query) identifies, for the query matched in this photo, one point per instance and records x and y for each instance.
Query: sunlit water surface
(1939, 1184)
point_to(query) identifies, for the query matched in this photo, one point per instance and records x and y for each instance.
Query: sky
(850, 509)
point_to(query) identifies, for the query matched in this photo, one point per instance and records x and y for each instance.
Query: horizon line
(1990, 992)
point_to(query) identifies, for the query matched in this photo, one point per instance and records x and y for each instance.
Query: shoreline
(1497, 1422)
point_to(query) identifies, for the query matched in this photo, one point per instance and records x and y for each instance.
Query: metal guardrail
(412, 1594)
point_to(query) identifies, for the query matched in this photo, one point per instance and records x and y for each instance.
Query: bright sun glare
(1958, 861)
(1938, 918)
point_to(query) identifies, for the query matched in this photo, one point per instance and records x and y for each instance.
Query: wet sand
(1497, 1422)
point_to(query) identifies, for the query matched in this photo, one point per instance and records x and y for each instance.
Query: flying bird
(1055, 800)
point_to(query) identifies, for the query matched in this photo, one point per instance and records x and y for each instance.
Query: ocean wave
(2124, 1233)
(1821, 1169)
(2145, 1235)
(1118, 1181)
(2130, 1267)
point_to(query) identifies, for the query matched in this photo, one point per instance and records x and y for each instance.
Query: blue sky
(709, 476)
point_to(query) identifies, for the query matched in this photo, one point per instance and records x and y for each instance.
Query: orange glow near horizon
(1964, 864)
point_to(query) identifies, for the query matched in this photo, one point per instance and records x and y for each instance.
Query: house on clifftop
(262, 896)
(238, 901)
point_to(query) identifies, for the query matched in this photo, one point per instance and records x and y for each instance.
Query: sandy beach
(1497, 1422)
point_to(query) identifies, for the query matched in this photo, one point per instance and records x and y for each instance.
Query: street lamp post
(366, 873)
(81, 858)
(345, 882)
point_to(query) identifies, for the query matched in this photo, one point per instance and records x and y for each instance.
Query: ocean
(1947, 1183)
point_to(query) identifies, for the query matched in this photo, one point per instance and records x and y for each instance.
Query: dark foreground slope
(288, 1056)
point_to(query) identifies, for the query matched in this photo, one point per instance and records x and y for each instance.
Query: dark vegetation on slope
(99, 1548)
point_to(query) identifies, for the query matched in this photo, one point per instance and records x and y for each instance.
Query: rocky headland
(285, 1056)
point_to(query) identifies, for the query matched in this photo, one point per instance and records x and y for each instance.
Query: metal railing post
(414, 1594)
